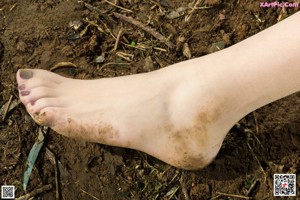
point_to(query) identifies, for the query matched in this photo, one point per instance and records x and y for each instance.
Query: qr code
(7, 192)
(284, 184)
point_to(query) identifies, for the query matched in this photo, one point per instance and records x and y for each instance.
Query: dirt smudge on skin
(42, 118)
(194, 162)
(191, 144)
(107, 132)
(104, 134)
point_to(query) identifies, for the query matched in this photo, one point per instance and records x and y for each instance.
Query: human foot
(148, 112)
(179, 114)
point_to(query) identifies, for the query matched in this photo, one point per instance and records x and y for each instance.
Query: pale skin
(179, 114)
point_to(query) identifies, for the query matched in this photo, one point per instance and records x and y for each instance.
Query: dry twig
(118, 6)
(90, 7)
(107, 64)
(146, 28)
(118, 39)
(187, 18)
(251, 188)
(62, 65)
(233, 195)
(89, 194)
(108, 30)
(94, 24)
(262, 169)
(256, 129)
(125, 56)
(256, 124)
(183, 186)
(57, 194)
(12, 7)
(35, 192)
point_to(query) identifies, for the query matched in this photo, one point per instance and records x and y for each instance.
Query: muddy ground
(42, 33)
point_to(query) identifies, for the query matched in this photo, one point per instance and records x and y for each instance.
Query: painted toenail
(21, 87)
(24, 93)
(26, 74)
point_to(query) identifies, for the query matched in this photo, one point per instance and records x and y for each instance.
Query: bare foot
(179, 114)
(158, 113)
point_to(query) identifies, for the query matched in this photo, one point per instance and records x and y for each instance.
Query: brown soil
(37, 34)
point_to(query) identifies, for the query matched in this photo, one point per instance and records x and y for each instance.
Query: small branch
(233, 195)
(90, 7)
(255, 157)
(125, 56)
(256, 124)
(256, 129)
(94, 24)
(187, 18)
(63, 65)
(57, 193)
(118, 39)
(107, 64)
(89, 194)
(183, 186)
(35, 192)
(146, 28)
(251, 188)
(108, 30)
(118, 6)
(12, 7)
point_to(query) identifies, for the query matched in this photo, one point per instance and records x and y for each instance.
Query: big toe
(36, 84)
(38, 90)
(23, 75)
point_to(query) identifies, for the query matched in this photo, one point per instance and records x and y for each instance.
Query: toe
(23, 75)
(46, 116)
(44, 74)
(37, 82)
(43, 103)
(31, 96)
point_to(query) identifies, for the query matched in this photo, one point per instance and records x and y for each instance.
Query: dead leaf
(186, 51)
(7, 107)
(148, 66)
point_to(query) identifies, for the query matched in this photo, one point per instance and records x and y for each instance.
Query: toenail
(24, 93)
(21, 87)
(26, 74)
